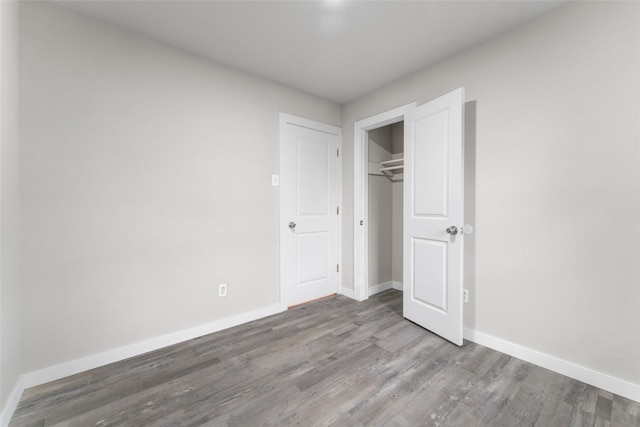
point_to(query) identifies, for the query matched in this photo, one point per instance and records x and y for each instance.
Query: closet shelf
(398, 162)
(391, 168)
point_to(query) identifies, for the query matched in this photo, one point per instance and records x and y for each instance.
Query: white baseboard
(380, 288)
(72, 367)
(384, 286)
(347, 292)
(561, 366)
(12, 402)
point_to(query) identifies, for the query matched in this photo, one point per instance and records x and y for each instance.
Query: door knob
(292, 225)
(453, 230)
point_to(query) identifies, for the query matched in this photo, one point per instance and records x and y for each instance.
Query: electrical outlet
(465, 295)
(222, 290)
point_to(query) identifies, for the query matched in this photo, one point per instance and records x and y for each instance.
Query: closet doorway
(385, 182)
(380, 263)
(426, 165)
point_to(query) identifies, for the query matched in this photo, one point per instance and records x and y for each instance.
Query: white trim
(347, 292)
(52, 373)
(12, 402)
(392, 284)
(376, 289)
(555, 364)
(341, 210)
(286, 119)
(309, 124)
(361, 193)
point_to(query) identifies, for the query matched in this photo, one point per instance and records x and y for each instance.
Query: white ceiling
(332, 49)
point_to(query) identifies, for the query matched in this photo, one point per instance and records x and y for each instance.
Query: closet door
(433, 215)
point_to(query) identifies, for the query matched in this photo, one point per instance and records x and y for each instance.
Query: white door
(309, 209)
(433, 202)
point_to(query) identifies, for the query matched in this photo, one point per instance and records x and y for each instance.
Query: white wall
(146, 182)
(382, 137)
(10, 346)
(397, 138)
(555, 166)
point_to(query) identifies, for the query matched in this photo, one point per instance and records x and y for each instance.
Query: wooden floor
(331, 362)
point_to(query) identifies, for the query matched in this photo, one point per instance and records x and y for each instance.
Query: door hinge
(337, 210)
(337, 268)
(337, 152)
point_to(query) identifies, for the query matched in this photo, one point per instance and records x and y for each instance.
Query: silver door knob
(292, 225)
(453, 230)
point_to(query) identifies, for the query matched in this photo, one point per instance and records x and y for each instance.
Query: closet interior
(386, 167)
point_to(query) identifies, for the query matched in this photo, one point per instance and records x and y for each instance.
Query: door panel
(312, 172)
(430, 260)
(430, 165)
(433, 201)
(309, 198)
(313, 257)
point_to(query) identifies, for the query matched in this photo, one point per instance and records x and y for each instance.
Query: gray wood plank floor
(330, 362)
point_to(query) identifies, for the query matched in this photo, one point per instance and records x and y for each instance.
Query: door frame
(288, 119)
(361, 130)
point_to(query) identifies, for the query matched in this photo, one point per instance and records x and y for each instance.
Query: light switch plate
(275, 181)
